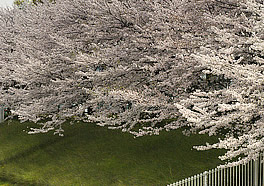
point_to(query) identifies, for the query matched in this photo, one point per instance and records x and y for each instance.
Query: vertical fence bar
(215, 174)
(236, 175)
(260, 170)
(239, 176)
(245, 174)
(224, 177)
(233, 176)
(205, 178)
(256, 172)
(227, 179)
(201, 179)
(2, 114)
(242, 173)
(218, 177)
(263, 168)
(248, 164)
(213, 177)
(209, 177)
(251, 172)
(180, 183)
(229, 176)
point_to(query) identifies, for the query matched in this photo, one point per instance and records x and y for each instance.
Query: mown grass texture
(94, 155)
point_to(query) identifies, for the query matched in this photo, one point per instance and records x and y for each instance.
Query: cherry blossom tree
(236, 111)
(21, 3)
(138, 65)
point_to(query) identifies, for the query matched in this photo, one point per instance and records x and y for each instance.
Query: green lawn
(93, 155)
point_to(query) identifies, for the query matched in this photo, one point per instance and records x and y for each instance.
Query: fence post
(209, 177)
(2, 114)
(262, 162)
(256, 162)
(201, 179)
(205, 178)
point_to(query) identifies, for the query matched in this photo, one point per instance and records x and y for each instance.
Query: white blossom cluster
(133, 64)
(237, 111)
(60, 59)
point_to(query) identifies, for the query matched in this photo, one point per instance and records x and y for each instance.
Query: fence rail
(249, 174)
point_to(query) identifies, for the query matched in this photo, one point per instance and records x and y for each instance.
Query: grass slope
(93, 155)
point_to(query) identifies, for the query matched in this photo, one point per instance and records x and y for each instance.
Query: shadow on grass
(29, 151)
(93, 155)
(10, 179)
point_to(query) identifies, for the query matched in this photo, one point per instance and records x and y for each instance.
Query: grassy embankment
(93, 155)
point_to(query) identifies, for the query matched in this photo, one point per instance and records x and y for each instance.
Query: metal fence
(250, 174)
(2, 114)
